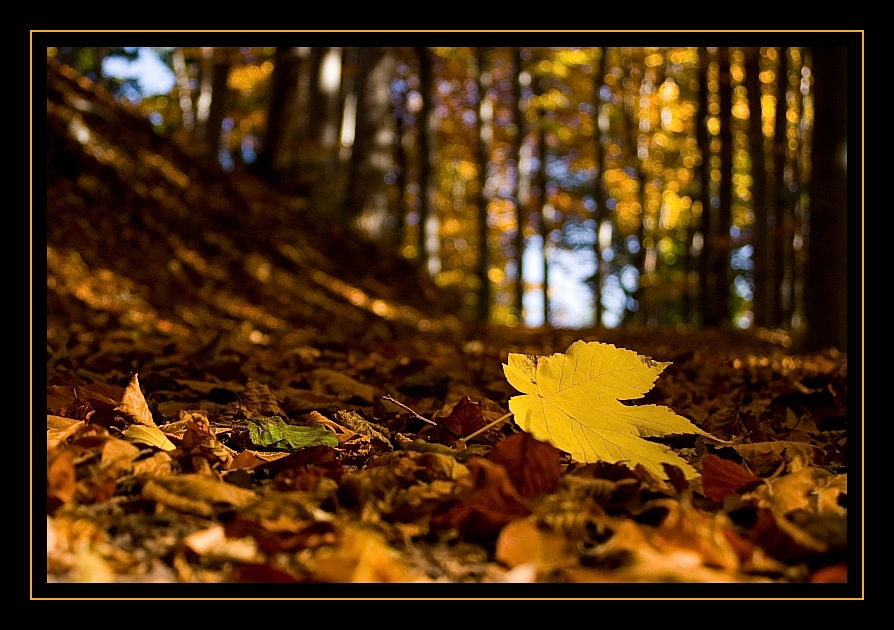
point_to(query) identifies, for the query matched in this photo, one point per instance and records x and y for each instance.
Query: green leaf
(274, 432)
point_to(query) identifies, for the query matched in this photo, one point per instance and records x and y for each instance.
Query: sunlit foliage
(596, 187)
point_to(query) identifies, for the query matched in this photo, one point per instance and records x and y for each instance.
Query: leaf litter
(371, 492)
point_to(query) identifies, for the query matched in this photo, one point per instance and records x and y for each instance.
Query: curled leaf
(133, 405)
(152, 436)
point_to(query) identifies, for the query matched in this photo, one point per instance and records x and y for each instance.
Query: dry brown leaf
(59, 429)
(331, 382)
(523, 542)
(532, 465)
(778, 451)
(61, 482)
(133, 405)
(96, 395)
(160, 463)
(463, 418)
(257, 400)
(342, 433)
(363, 555)
(490, 503)
(118, 456)
(195, 494)
(722, 476)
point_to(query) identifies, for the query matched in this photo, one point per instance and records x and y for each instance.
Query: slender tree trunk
(220, 102)
(826, 282)
(760, 236)
(776, 196)
(522, 184)
(637, 258)
(367, 205)
(485, 130)
(184, 90)
(429, 227)
(540, 185)
(281, 111)
(701, 228)
(601, 212)
(401, 170)
(717, 241)
(319, 154)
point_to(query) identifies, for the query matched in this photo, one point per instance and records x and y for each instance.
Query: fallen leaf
(61, 482)
(273, 432)
(195, 494)
(363, 555)
(572, 401)
(329, 381)
(464, 418)
(774, 453)
(258, 400)
(721, 477)
(60, 429)
(532, 465)
(523, 542)
(152, 436)
(118, 456)
(492, 502)
(133, 405)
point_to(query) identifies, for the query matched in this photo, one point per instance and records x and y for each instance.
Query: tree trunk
(220, 101)
(540, 185)
(281, 112)
(522, 185)
(429, 226)
(601, 212)
(760, 241)
(717, 236)
(826, 281)
(485, 130)
(367, 205)
(637, 259)
(698, 232)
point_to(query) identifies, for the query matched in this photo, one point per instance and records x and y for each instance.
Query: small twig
(491, 425)
(424, 419)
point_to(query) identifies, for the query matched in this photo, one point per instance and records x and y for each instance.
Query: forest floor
(237, 394)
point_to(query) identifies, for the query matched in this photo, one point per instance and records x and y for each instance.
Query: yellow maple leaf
(572, 401)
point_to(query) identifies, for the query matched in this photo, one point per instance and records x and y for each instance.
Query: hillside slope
(145, 234)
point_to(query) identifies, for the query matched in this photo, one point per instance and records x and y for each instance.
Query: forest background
(544, 187)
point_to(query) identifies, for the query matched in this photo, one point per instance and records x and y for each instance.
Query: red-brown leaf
(532, 465)
(492, 503)
(721, 477)
(466, 417)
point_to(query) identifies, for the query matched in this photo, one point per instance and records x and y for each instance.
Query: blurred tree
(717, 215)
(826, 287)
(522, 178)
(601, 212)
(762, 250)
(282, 103)
(485, 132)
(368, 203)
(778, 194)
(429, 238)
